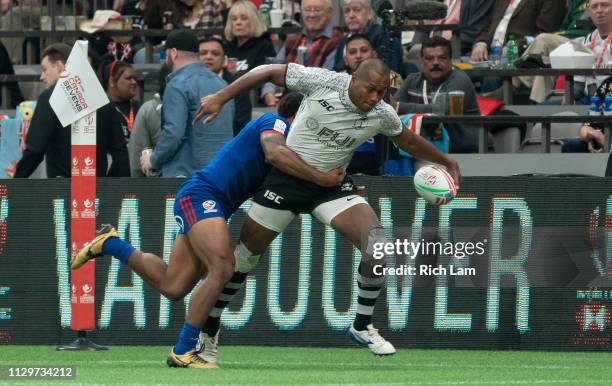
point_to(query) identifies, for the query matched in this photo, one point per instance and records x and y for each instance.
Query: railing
(545, 120)
(508, 74)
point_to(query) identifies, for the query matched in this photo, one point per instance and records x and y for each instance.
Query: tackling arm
(287, 161)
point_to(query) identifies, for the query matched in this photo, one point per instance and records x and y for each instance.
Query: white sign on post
(78, 91)
(84, 130)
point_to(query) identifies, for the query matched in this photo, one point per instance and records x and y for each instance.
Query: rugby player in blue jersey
(203, 205)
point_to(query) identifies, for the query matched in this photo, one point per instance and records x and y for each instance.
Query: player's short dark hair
(56, 52)
(211, 38)
(358, 37)
(289, 104)
(437, 41)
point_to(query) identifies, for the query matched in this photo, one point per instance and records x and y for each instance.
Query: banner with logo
(76, 97)
(78, 91)
(542, 280)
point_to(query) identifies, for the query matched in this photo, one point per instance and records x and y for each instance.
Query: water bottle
(513, 51)
(495, 54)
(595, 106)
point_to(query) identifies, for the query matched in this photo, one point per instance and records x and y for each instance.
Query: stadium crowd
(234, 38)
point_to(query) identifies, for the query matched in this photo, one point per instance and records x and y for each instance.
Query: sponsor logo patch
(179, 221)
(280, 126)
(312, 124)
(209, 206)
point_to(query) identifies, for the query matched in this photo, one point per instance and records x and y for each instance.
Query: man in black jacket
(212, 54)
(47, 138)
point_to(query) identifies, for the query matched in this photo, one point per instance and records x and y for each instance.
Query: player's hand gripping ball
(435, 185)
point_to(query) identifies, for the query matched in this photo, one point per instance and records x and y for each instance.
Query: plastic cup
(276, 18)
(455, 101)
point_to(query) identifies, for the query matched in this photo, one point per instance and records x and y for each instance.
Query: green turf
(282, 365)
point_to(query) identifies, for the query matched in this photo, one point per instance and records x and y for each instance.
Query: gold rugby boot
(93, 249)
(189, 360)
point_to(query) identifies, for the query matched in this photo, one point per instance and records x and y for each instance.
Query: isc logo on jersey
(280, 126)
(209, 206)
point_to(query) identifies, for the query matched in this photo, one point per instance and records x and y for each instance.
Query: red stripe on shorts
(188, 210)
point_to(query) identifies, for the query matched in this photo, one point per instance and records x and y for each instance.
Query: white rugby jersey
(328, 127)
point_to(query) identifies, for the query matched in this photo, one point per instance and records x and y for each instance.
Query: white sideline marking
(474, 366)
(479, 382)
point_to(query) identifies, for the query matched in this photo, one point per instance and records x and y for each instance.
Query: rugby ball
(435, 185)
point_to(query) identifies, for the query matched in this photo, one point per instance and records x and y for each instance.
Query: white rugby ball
(435, 185)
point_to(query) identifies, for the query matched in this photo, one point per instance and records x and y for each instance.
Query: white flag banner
(78, 91)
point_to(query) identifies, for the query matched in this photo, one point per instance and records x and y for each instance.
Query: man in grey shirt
(437, 77)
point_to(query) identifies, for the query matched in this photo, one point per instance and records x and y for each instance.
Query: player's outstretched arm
(210, 105)
(422, 149)
(287, 161)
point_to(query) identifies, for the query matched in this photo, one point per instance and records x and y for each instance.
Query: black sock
(211, 327)
(362, 321)
(213, 322)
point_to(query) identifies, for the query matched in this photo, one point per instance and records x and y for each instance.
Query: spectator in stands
(248, 42)
(102, 42)
(591, 136)
(537, 53)
(230, 3)
(360, 19)
(577, 22)
(357, 49)
(521, 18)
(318, 36)
(599, 42)
(24, 15)
(212, 54)
(600, 13)
(524, 19)
(47, 139)
(198, 14)
(118, 4)
(473, 18)
(184, 147)
(471, 15)
(145, 14)
(119, 81)
(147, 125)
(439, 77)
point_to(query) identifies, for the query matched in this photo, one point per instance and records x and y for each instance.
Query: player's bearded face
(169, 60)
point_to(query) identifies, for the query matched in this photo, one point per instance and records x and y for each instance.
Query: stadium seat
(558, 133)
(29, 90)
(507, 140)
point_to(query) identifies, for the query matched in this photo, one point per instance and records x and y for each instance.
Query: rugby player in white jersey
(338, 113)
